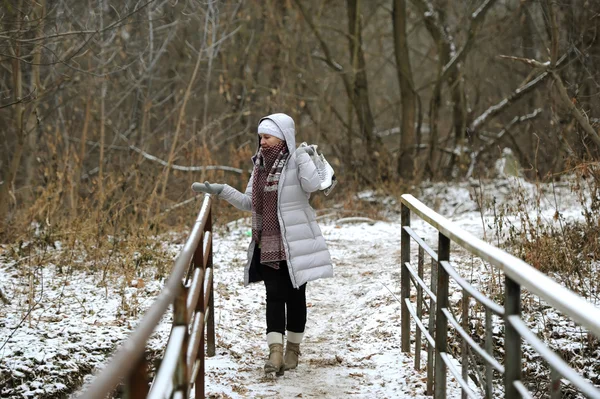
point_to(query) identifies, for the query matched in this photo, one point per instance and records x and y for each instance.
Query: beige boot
(275, 363)
(292, 350)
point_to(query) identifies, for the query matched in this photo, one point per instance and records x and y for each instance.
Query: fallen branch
(550, 68)
(172, 166)
(494, 110)
(527, 61)
(356, 220)
(187, 201)
(184, 168)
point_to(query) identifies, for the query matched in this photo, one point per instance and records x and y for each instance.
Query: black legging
(282, 294)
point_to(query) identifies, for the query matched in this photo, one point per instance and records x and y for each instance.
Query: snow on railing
(518, 274)
(190, 290)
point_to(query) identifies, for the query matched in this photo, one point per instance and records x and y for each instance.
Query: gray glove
(208, 188)
(305, 149)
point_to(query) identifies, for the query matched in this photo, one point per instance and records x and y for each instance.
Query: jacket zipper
(282, 225)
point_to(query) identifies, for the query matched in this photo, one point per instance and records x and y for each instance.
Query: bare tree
(94, 108)
(407, 156)
(18, 110)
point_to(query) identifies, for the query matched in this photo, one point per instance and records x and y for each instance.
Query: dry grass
(121, 237)
(566, 249)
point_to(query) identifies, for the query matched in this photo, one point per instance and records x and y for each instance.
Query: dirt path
(352, 339)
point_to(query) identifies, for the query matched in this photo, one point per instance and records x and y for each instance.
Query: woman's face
(266, 140)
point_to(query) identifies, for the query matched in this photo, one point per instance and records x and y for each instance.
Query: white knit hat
(267, 126)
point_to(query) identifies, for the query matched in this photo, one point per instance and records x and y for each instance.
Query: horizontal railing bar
(519, 271)
(131, 351)
(195, 370)
(206, 248)
(196, 364)
(425, 304)
(480, 351)
(554, 360)
(463, 384)
(195, 338)
(169, 362)
(194, 291)
(419, 323)
(524, 392)
(479, 297)
(207, 290)
(420, 281)
(421, 243)
(206, 315)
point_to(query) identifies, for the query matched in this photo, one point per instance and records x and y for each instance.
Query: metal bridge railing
(518, 274)
(190, 290)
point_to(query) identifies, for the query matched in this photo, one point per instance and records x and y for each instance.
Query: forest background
(109, 110)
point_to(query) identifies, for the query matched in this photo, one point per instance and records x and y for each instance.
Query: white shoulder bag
(326, 172)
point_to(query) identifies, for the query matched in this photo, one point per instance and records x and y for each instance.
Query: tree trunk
(527, 44)
(458, 158)
(212, 15)
(568, 100)
(103, 92)
(31, 127)
(9, 178)
(360, 92)
(407, 151)
(434, 109)
(82, 147)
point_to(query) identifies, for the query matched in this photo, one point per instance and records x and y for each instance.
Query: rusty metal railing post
(555, 377)
(210, 323)
(465, 346)
(519, 276)
(489, 348)
(136, 385)
(419, 309)
(200, 380)
(441, 322)
(404, 280)
(199, 383)
(198, 262)
(431, 328)
(180, 361)
(180, 319)
(512, 340)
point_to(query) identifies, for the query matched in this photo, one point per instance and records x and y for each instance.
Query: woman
(287, 248)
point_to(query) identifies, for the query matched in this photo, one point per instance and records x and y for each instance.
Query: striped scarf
(266, 230)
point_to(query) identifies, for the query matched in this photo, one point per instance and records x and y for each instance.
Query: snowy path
(352, 346)
(352, 339)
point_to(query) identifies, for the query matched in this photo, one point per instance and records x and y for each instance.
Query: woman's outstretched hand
(208, 188)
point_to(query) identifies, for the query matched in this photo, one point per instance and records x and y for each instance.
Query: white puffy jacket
(306, 251)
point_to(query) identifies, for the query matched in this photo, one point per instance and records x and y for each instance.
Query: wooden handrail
(128, 366)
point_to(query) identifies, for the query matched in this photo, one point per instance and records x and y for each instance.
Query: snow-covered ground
(53, 336)
(352, 340)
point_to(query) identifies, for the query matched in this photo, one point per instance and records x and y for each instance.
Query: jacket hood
(286, 124)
